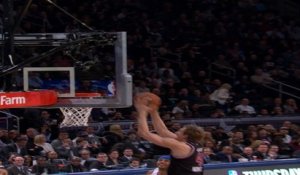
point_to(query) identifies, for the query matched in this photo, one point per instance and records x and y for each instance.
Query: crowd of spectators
(171, 45)
(116, 148)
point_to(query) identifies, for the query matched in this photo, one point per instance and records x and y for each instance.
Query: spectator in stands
(261, 77)
(7, 161)
(101, 163)
(221, 62)
(134, 163)
(167, 76)
(30, 133)
(3, 137)
(82, 143)
(277, 102)
(270, 128)
(113, 158)
(221, 96)
(244, 108)
(264, 135)
(210, 143)
(117, 116)
(47, 119)
(12, 135)
(170, 88)
(133, 126)
(285, 132)
(217, 113)
(43, 167)
(40, 141)
(247, 153)
(244, 88)
(81, 135)
(285, 149)
(18, 147)
(261, 152)
(162, 164)
(59, 141)
(242, 70)
(197, 97)
(288, 124)
(66, 150)
(18, 168)
(290, 106)
(86, 158)
(31, 147)
(219, 135)
(250, 137)
(74, 166)
(209, 155)
(295, 143)
(184, 94)
(237, 142)
(263, 113)
(48, 132)
(273, 152)
(114, 135)
(277, 111)
(166, 66)
(181, 109)
(52, 159)
(134, 140)
(176, 126)
(28, 161)
(127, 156)
(226, 155)
(92, 137)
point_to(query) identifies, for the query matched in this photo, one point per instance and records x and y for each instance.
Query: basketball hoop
(75, 116)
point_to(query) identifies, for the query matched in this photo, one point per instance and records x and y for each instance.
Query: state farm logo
(4, 100)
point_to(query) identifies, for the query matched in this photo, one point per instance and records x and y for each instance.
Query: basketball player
(162, 164)
(186, 158)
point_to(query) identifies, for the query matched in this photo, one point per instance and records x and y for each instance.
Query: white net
(75, 116)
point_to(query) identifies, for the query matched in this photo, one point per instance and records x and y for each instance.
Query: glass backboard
(89, 75)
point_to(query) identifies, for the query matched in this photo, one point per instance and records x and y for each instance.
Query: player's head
(191, 133)
(163, 162)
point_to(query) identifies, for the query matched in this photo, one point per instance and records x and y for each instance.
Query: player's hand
(141, 103)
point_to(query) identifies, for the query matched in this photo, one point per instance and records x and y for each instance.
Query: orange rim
(83, 94)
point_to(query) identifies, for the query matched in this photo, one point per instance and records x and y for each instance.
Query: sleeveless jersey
(191, 165)
(155, 171)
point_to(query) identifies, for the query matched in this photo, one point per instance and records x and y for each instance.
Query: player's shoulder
(149, 172)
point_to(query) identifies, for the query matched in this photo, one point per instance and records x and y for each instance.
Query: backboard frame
(123, 82)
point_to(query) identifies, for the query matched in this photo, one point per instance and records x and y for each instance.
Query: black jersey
(191, 165)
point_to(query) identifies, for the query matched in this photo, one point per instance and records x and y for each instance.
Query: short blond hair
(194, 133)
(39, 139)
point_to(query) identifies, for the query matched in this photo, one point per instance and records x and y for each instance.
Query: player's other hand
(141, 102)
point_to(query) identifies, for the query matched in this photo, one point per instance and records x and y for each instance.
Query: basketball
(154, 101)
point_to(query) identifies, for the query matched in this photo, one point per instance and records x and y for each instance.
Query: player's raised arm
(143, 129)
(160, 126)
(153, 102)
